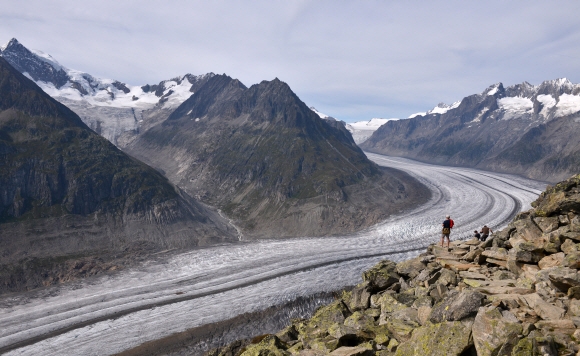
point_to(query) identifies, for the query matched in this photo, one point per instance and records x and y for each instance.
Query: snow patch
(548, 102)
(321, 115)
(567, 105)
(417, 114)
(515, 106)
(492, 91)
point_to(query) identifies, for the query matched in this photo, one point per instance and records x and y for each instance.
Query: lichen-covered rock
(535, 345)
(270, 345)
(528, 229)
(410, 268)
(389, 304)
(572, 260)
(491, 331)
(457, 306)
(360, 297)
(448, 338)
(401, 329)
(382, 275)
(547, 224)
(569, 246)
(360, 321)
(352, 351)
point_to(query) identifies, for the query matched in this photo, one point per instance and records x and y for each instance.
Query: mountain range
(111, 108)
(259, 153)
(270, 162)
(67, 192)
(525, 129)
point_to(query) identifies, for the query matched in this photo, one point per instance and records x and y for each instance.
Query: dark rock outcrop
(270, 163)
(65, 191)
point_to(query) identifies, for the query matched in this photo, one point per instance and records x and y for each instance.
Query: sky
(353, 60)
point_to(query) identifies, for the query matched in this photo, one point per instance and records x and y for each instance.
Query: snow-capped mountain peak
(121, 104)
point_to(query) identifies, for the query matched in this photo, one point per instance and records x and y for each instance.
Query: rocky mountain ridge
(67, 192)
(522, 129)
(110, 107)
(518, 293)
(270, 163)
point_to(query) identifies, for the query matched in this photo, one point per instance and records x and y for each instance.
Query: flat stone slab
(496, 262)
(472, 275)
(544, 309)
(505, 290)
(456, 265)
(490, 283)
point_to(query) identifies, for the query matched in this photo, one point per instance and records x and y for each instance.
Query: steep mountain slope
(270, 163)
(113, 109)
(65, 190)
(522, 129)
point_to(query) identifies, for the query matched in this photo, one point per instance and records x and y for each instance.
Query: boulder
(572, 260)
(574, 308)
(448, 338)
(497, 254)
(572, 236)
(528, 230)
(564, 326)
(551, 260)
(389, 304)
(575, 223)
(401, 329)
(547, 224)
(411, 268)
(562, 277)
(569, 246)
(360, 297)
(542, 308)
(322, 319)
(501, 275)
(457, 306)
(527, 252)
(423, 314)
(288, 334)
(491, 330)
(382, 275)
(472, 275)
(447, 277)
(535, 345)
(360, 321)
(473, 255)
(352, 351)
(269, 345)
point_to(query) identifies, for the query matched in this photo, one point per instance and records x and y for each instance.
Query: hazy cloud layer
(351, 59)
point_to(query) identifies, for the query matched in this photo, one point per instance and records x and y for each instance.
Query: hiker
(485, 232)
(477, 235)
(447, 226)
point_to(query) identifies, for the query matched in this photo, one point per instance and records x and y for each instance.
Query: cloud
(351, 59)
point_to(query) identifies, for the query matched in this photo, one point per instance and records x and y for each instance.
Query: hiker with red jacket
(447, 226)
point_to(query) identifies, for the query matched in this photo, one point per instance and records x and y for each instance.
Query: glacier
(169, 295)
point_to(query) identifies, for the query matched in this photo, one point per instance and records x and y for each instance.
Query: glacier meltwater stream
(118, 312)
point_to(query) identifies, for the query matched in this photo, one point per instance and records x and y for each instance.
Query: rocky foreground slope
(518, 293)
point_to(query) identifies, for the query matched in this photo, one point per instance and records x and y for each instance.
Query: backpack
(451, 223)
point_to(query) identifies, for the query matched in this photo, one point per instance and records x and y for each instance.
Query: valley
(171, 295)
